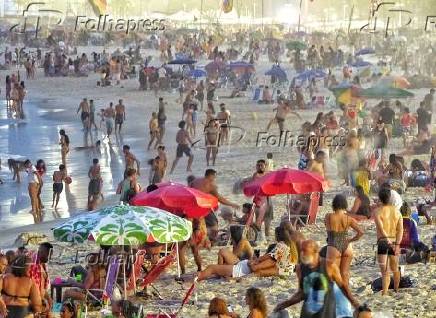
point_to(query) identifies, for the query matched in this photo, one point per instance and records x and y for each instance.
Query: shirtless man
(211, 136)
(130, 160)
(153, 126)
(120, 115)
(183, 140)
(389, 225)
(223, 118)
(264, 208)
(85, 111)
(282, 110)
(318, 166)
(206, 184)
(159, 166)
(58, 186)
(65, 145)
(109, 115)
(95, 183)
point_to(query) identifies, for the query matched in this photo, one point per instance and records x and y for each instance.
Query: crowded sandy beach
(255, 167)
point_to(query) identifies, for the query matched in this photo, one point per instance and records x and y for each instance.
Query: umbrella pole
(124, 277)
(287, 207)
(134, 258)
(178, 260)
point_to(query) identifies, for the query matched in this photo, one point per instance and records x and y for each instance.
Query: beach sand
(52, 103)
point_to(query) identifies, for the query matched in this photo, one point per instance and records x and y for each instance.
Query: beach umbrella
(241, 67)
(365, 51)
(278, 72)
(394, 81)
(197, 73)
(125, 225)
(361, 64)
(378, 92)
(345, 92)
(215, 66)
(285, 181)
(296, 45)
(184, 61)
(306, 75)
(178, 199)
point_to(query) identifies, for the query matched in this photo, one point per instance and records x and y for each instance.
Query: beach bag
(405, 282)
(320, 301)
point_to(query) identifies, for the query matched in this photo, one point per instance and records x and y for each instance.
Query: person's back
(389, 218)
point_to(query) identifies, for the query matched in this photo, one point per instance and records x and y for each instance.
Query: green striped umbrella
(378, 92)
(125, 225)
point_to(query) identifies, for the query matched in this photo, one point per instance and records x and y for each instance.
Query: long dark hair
(236, 233)
(256, 300)
(19, 266)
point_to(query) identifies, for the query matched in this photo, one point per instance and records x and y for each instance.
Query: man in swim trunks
(223, 118)
(109, 115)
(120, 115)
(85, 110)
(282, 110)
(95, 183)
(389, 225)
(183, 140)
(58, 186)
(131, 161)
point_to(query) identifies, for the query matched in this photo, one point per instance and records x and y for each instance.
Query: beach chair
(153, 274)
(256, 95)
(110, 284)
(136, 270)
(310, 217)
(172, 309)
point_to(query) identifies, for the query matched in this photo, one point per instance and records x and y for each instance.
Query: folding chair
(310, 217)
(165, 313)
(136, 270)
(110, 284)
(153, 274)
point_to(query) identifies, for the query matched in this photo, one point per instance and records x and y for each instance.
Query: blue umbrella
(182, 62)
(240, 64)
(365, 51)
(310, 74)
(197, 73)
(181, 56)
(361, 64)
(278, 72)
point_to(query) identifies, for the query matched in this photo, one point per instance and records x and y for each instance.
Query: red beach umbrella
(178, 199)
(286, 181)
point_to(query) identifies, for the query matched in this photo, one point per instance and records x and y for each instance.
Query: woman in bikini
(65, 145)
(241, 249)
(339, 250)
(94, 281)
(18, 291)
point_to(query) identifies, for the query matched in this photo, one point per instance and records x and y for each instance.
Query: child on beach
(58, 178)
(269, 162)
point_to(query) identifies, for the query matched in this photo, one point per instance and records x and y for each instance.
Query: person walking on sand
(58, 186)
(153, 126)
(223, 118)
(65, 145)
(389, 226)
(339, 250)
(183, 140)
(211, 135)
(120, 115)
(282, 110)
(161, 119)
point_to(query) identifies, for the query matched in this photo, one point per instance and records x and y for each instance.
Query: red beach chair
(153, 274)
(310, 218)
